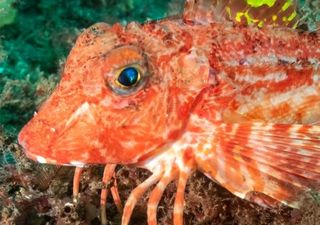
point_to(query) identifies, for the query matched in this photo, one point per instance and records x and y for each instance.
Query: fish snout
(35, 138)
(64, 140)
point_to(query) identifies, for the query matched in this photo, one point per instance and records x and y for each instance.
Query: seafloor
(35, 37)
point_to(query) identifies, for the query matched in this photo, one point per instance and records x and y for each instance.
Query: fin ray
(278, 160)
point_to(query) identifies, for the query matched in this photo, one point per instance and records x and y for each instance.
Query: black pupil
(128, 76)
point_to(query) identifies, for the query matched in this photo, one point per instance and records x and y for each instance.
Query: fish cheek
(134, 125)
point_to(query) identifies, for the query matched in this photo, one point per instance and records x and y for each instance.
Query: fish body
(239, 103)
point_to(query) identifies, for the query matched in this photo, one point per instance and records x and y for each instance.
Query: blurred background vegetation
(36, 36)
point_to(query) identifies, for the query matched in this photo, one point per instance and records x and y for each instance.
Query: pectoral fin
(278, 160)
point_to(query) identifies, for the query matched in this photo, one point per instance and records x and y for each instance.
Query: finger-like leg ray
(156, 195)
(179, 201)
(76, 183)
(115, 194)
(136, 194)
(107, 176)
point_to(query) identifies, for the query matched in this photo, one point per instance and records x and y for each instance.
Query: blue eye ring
(128, 77)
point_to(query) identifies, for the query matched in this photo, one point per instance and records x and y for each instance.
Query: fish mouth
(44, 159)
(34, 143)
(36, 137)
(69, 142)
(30, 152)
(39, 159)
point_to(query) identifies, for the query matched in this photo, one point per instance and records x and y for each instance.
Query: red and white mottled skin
(240, 104)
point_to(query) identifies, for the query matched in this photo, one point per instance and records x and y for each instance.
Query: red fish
(239, 103)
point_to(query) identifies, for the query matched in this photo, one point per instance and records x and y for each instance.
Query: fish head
(125, 93)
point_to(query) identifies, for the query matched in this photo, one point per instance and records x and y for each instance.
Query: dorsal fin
(256, 12)
(201, 11)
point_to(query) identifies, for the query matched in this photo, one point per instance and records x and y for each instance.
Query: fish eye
(126, 70)
(128, 77)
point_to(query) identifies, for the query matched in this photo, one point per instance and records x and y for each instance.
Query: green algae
(7, 12)
(309, 11)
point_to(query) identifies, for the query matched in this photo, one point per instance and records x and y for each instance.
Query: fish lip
(44, 160)
(33, 156)
(25, 141)
(35, 151)
(40, 159)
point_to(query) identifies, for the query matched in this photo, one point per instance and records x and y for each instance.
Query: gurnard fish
(224, 89)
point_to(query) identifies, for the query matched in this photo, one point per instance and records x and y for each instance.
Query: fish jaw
(28, 141)
(46, 141)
